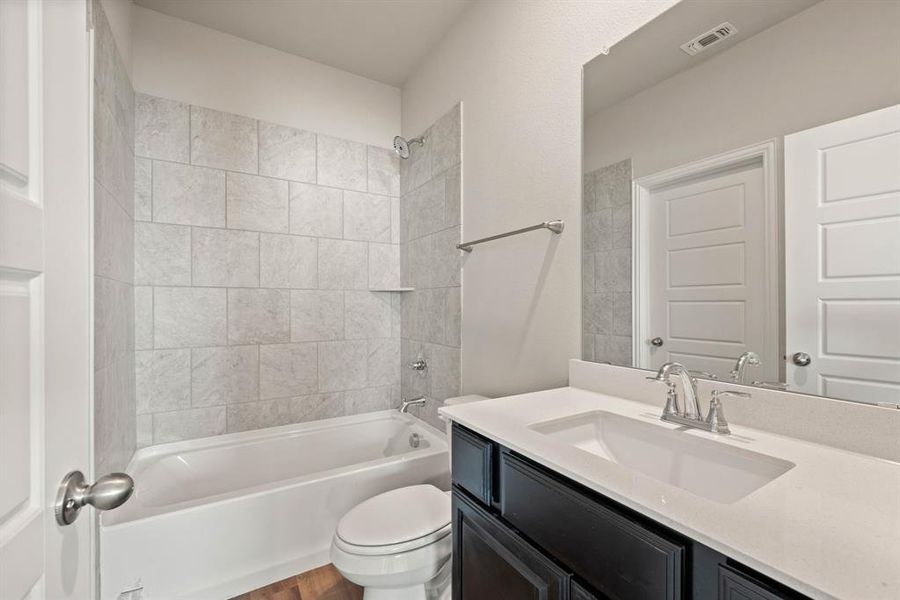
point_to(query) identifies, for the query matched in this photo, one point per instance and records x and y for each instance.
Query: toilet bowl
(397, 545)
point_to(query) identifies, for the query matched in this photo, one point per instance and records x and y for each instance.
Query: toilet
(397, 545)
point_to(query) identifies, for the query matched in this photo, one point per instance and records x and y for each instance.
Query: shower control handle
(108, 492)
(418, 365)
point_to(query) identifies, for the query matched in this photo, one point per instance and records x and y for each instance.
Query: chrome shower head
(401, 145)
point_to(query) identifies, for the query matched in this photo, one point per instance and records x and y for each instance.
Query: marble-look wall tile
(257, 203)
(162, 129)
(189, 317)
(316, 210)
(446, 141)
(113, 321)
(288, 370)
(342, 365)
(416, 170)
(396, 223)
(343, 265)
(370, 399)
(223, 140)
(383, 171)
(144, 435)
(288, 261)
(162, 380)
(188, 195)
(221, 257)
(383, 362)
(258, 316)
(367, 217)
(621, 227)
(162, 254)
(425, 209)
(453, 317)
(143, 181)
(598, 313)
(143, 318)
(598, 230)
(287, 153)
(224, 375)
(384, 266)
(284, 411)
(317, 315)
(114, 414)
(341, 163)
(188, 424)
(444, 258)
(113, 155)
(367, 315)
(621, 315)
(113, 238)
(444, 364)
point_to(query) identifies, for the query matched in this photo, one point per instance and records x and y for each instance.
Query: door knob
(801, 359)
(657, 341)
(108, 492)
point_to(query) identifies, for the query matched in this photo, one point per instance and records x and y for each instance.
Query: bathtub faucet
(405, 404)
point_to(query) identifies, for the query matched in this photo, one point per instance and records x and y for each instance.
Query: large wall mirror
(741, 201)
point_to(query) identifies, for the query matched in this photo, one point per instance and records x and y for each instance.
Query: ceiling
(653, 53)
(383, 40)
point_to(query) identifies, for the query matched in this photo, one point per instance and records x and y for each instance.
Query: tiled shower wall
(114, 391)
(256, 250)
(430, 182)
(606, 268)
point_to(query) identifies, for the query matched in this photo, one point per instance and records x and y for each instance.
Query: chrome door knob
(801, 359)
(657, 341)
(108, 492)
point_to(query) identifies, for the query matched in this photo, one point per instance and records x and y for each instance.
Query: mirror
(741, 196)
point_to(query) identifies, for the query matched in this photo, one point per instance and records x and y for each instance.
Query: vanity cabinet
(523, 531)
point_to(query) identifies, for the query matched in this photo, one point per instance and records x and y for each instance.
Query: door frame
(764, 152)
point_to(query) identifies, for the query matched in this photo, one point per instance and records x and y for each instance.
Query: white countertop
(829, 527)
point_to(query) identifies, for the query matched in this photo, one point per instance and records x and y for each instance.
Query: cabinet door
(491, 561)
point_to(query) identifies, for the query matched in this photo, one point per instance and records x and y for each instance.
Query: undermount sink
(715, 471)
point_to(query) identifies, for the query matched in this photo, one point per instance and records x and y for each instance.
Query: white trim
(767, 153)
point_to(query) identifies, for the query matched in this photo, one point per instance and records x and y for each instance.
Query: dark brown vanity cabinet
(523, 531)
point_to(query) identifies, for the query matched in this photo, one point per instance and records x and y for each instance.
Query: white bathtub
(216, 517)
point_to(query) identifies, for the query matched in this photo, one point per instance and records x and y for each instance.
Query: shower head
(401, 145)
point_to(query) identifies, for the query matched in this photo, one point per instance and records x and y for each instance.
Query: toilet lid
(395, 517)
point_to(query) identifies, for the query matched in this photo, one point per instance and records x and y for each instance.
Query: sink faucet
(691, 406)
(692, 416)
(405, 404)
(739, 373)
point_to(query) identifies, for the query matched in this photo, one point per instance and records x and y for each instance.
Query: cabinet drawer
(614, 554)
(472, 458)
(491, 562)
(734, 585)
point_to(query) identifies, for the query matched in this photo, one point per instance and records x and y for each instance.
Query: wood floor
(324, 583)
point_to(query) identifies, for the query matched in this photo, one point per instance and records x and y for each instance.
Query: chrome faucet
(691, 415)
(405, 404)
(691, 406)
(739, 373)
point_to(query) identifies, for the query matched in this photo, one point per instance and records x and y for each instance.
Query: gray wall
(114, 392)
(606, 269)
(256, 247)
(430, 182)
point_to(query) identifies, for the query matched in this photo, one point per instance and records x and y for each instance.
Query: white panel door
(707, 283)
(842, 257)
(44, 294)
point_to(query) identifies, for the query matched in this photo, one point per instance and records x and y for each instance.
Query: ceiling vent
(707, 39)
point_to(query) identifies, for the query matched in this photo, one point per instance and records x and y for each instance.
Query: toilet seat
(395, 522)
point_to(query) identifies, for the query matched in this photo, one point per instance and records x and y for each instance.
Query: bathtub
(217, 517)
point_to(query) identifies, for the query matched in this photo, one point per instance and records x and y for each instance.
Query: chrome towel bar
(556, 226)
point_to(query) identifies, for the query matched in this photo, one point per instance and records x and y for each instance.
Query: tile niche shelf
(392, 289)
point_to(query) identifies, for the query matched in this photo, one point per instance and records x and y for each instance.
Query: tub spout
(405, 404)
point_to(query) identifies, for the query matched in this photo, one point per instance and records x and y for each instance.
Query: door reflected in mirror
(741, 196)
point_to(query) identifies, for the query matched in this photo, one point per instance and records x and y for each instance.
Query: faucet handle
(715, 419)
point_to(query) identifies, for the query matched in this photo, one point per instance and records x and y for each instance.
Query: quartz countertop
(829, 527)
